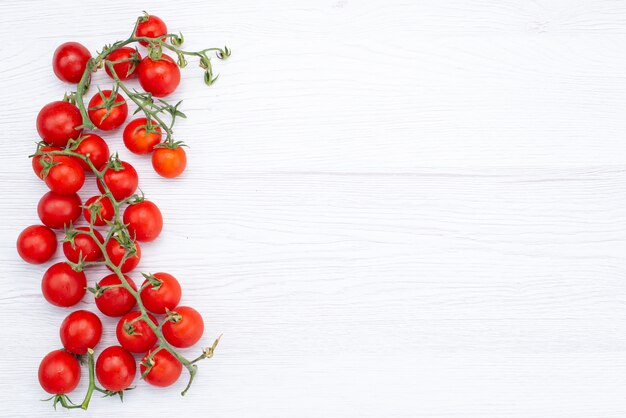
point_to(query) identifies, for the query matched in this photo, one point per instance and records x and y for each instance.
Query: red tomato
(122, 182)
(138, 140)
(58, 122)
(59, 372)
(107, 119)
(83, 246)
(115, 301)
(37, 161)
(69, 61)
(169, 162)
(164, 295)
(57, 211)
(105, 210)
(136, 336)
(115, 368)
(63, 286)
(80, 330)
(94, 147)
(65, 177)
(185, 328)
(144, 221)
(160, 77)
(116, 252)
(36, 244)
(123, 70)
(165, 371)
(151, 27)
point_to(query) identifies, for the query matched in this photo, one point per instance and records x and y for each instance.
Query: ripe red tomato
(185, 329)
(57, 211)
(36, 244)
(144, 221)
(138, 140)
(83, 246)
(94, 147)
(63, 286)
(37, 161)
(59, 372)
(115, 301)
(137, 336)
(123, 70)
(165, 371)
(105, 211)
(160, 77)
(151, 27)
(116, 252)
(165, 295)
(69, 61)
(80, 330)
(65, 177)
(58, 122)
(169, 162)
(115, 368)
(122, 182)
(107, 119)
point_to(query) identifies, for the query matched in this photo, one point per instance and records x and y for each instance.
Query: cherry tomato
(136, 336)
(165, 295)
(95, 148)
(160, 77)
(138, 140)
(69, 61)
(115, 301)
(151, 27)
(144, 221)
(185, 328)
(57, 211)
(165, 371)
(116, 252)
(63, 286)
(115, 368)
(36, 244)
(80, 330)
(65, 177)
(105, 210)
(83, 246)
(107, 119)
(37, 160)
(123, 70)
(169, 162)
(59, 372)
(58, 122)
(122, 182)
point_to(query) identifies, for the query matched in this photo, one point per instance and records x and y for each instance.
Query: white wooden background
(393, 208)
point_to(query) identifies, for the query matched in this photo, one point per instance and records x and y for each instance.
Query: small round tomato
(150, 26)
(116, 252)
(107, 112)
(59, 372)
(80, 330)
(169, 162)
(105, 209)
(65, 177)
(164, 294)
(165, 370)
(144, 221)
(115, 368)
(136, 335)
(36, 244)
(125, 69)
(83, 245)
(69, 61)
(138, 140)
(57, 211)
(160, 77)
(58, 122)
(122, 180)
(94, 147)
(63, 286)
(184, 327)
(115, 301)
(38, 160)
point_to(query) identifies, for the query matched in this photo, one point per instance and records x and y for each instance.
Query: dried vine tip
(209, 351)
